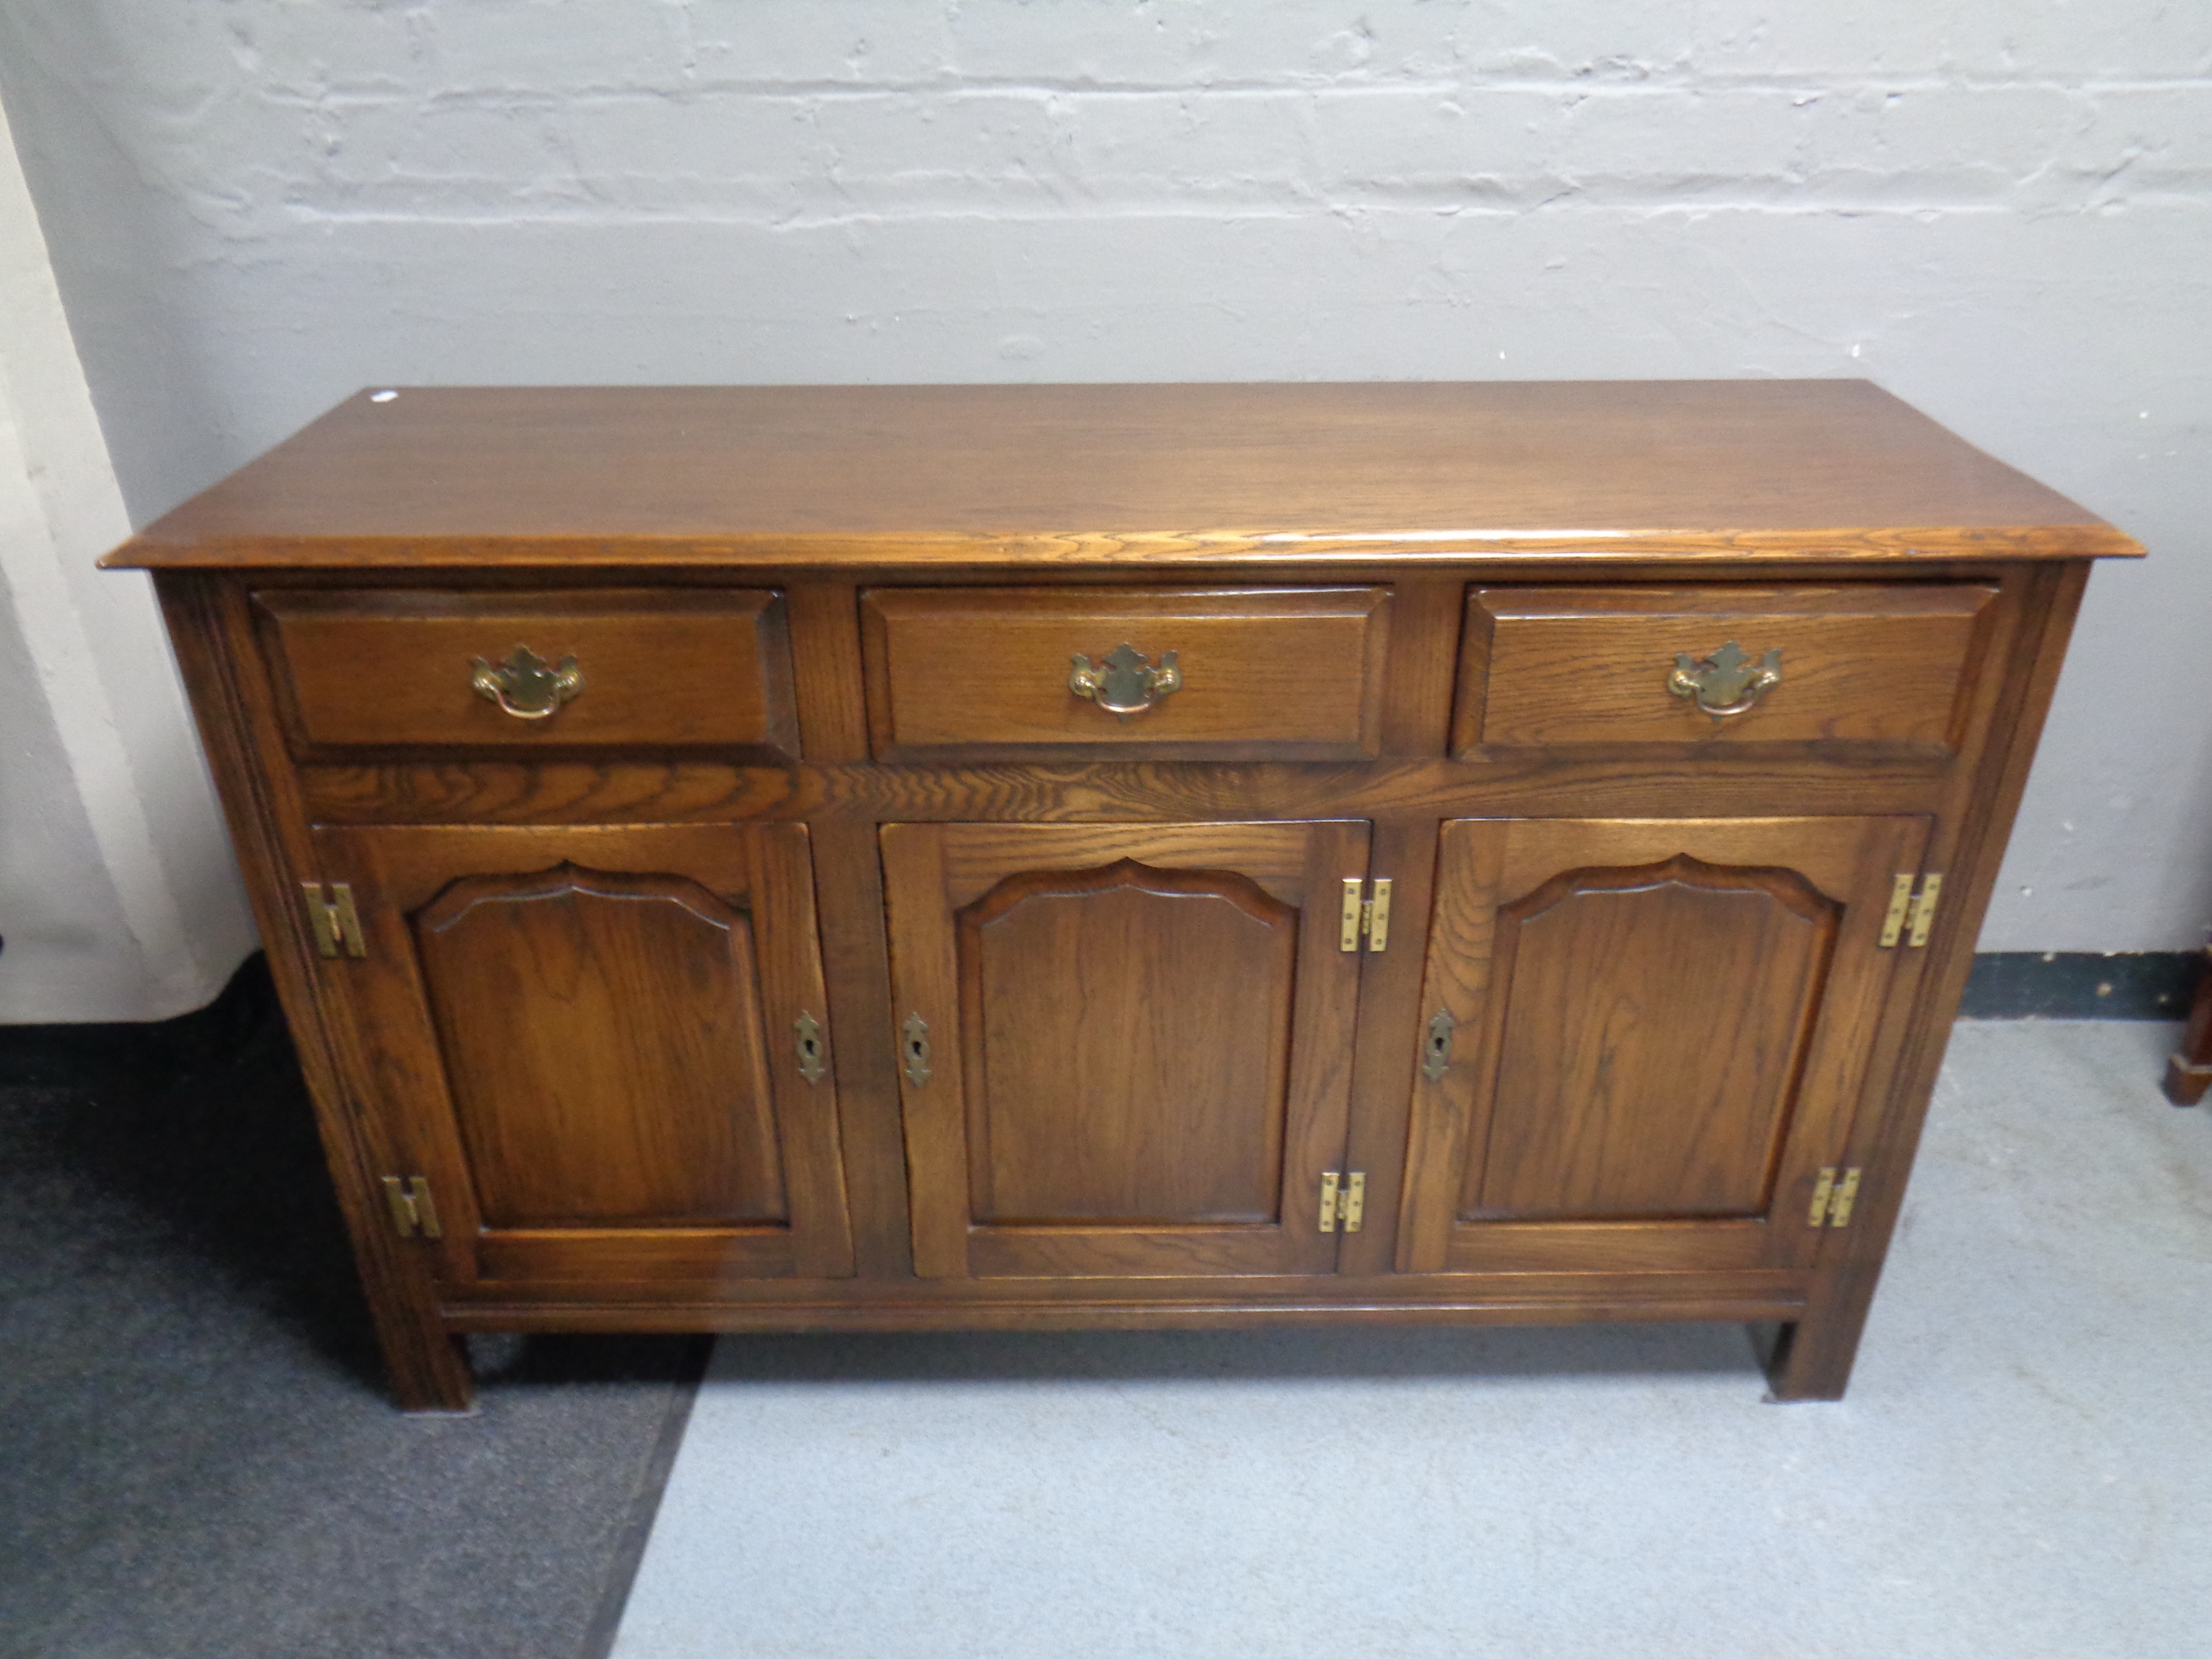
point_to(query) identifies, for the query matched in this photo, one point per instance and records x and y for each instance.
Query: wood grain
(1140, 1049)
(574, 1112)
(826, 655)
(1873, 665)
(1570, 1090)
(820, 476)
(972, 673)
(1654, 1031)
(392, 669)
(1073, 1303)
(1814, 1360)
(211, 633)
(507, 1062)
(1667, 1022)
(1127, 1033)
(482, 792)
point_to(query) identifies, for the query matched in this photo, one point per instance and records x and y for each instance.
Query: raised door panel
(1660, 1033)
(563, 1091)
(586, 1040)
(1139, 1043)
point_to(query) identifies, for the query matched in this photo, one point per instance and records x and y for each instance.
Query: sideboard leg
(2188, 1072)
(1812, 1358)
(428, 1364)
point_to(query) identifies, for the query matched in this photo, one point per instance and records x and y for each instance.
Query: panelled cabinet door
(588, 1043)
(1127, 1049)
(1658, 1033)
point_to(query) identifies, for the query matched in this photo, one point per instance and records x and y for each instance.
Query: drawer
(1259, 674)
(680, 668)
(1885, 669)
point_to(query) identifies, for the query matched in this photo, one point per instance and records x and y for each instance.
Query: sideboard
(753, 859)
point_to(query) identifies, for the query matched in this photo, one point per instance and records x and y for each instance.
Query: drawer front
(1882, 668)
(690, 668)
(1259, 674)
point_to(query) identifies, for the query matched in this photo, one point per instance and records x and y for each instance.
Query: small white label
(384, 397)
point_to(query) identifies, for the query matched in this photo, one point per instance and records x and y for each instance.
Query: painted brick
(2062, 40)
(1191, 146)
(2001, 210)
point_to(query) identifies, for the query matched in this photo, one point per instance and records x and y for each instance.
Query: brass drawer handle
(1124, 682)
(525, 685)
(1728, 682)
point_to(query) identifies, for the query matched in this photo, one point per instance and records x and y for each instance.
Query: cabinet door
(1138, 1043)
(587, 1041)
(1662, 1032)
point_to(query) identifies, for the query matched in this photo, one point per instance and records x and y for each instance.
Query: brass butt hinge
(1910, 917)
(1343, 1199)
(1367, 918)
(412, 1211)
(331, 914)
(1833, 1194)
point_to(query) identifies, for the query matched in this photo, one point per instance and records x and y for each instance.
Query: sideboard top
(1201, 474)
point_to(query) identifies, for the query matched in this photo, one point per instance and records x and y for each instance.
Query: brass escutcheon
(1728, 682)
(808, 1030)
(1436, 1053)
(915, 1046)
(1124, 682)
(525, 685)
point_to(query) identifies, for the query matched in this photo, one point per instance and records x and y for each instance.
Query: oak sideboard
(884, 858)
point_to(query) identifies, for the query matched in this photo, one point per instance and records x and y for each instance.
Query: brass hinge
(1833, 1194)
(1343, 1198)
(334, 919)
(1366, 917)
(1905, 911)
(412, 1211)
(1924, 911)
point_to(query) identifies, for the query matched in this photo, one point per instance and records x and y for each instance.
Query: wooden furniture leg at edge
(1812, 1358)
(428, 1364)
(2188, 1069)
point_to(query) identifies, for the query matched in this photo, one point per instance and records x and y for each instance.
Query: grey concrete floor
(2023, 1468)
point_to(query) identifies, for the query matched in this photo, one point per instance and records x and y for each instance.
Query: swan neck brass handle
(1123, 682)
(525, 685)
(1726, 683)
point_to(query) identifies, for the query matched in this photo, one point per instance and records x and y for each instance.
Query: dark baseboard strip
(149, 1054)
(2082, 985)
(637, 1526)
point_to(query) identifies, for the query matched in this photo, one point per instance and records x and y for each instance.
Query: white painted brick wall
(2001, 210)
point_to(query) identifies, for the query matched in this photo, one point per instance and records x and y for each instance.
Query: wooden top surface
(1018, 475)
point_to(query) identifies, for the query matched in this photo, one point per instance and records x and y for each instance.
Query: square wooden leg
(1812, 1358)
(428, 1364)
(2188, 1073)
